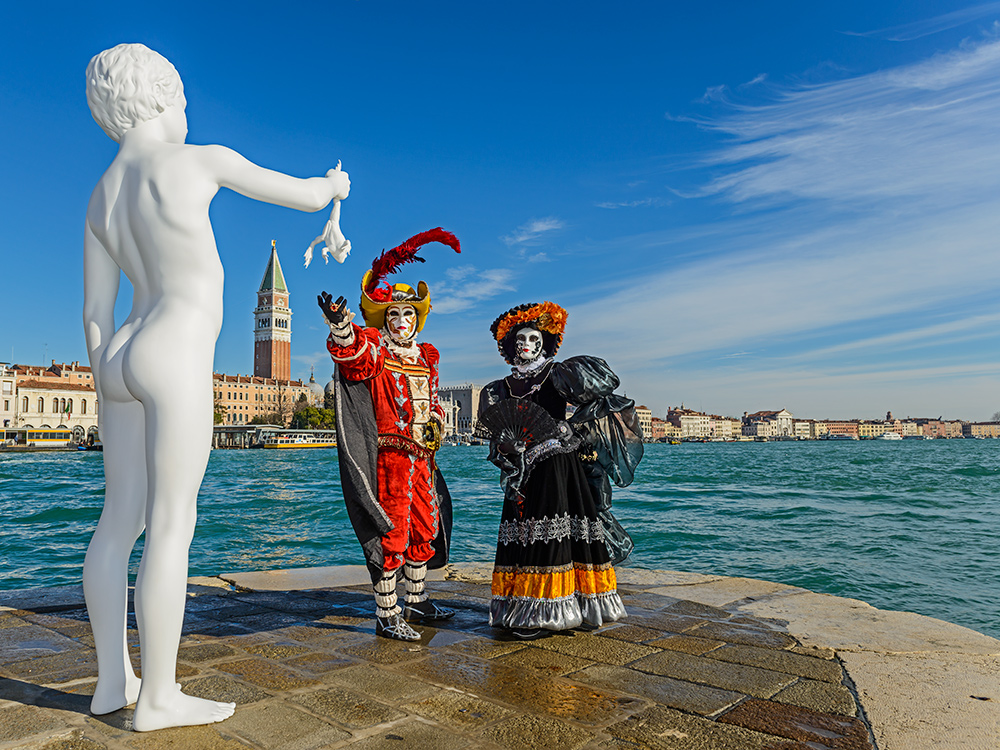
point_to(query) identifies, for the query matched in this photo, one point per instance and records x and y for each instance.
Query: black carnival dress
(558, 541)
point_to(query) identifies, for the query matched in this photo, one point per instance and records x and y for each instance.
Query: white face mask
(528, 346)
(401, 323)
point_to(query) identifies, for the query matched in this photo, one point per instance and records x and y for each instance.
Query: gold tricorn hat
(374, 310)
(377, 295)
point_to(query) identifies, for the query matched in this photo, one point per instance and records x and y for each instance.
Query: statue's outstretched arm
(238, 173)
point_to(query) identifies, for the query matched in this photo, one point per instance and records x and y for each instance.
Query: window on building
(69, 406)
(41, 404)
(24, 404)
(83, 406)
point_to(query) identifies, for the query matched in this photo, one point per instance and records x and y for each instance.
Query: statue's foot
(396, 628)
(178, 710)
(111, 695)
(426, 611)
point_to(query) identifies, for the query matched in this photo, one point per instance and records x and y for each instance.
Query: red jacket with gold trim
(403, 390)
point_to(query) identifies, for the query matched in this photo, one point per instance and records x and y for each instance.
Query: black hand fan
(517, 425)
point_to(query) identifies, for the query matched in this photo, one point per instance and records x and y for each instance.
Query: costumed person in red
(558, 541)
(388, 430)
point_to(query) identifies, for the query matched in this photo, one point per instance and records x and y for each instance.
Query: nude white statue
(148, 217)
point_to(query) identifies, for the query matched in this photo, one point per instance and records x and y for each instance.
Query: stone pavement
(702, 662)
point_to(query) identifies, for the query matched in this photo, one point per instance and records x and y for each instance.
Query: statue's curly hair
(130, 84)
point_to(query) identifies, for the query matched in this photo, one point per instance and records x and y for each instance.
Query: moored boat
(298, 441)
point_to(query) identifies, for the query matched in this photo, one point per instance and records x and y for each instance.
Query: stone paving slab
(701, 663)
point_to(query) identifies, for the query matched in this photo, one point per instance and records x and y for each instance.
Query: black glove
(335, 312)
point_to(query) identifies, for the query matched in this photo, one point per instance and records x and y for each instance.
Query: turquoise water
(909, 525)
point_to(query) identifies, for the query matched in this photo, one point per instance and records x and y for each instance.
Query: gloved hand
(338, 317)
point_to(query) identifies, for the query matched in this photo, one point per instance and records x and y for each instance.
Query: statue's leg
(178, 408)
(105, 569)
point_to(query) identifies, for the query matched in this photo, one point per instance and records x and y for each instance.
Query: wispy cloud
(864, 207)
(466, 286)
(633, 203)
(528, 234)
(924, 134)
(918, 29)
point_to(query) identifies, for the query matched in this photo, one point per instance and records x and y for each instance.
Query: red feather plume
(390, 260)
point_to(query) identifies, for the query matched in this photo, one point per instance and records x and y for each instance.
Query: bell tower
(272, 334)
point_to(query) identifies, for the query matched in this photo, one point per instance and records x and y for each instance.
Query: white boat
(889, 436)
(298, 441)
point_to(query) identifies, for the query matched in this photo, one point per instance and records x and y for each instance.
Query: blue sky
(742, 206)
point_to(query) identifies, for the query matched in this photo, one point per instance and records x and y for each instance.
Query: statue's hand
(340, 181)
(335, 312)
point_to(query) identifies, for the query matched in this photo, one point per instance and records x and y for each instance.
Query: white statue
(148, 217)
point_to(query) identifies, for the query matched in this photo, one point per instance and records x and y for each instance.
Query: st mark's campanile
(272, 335)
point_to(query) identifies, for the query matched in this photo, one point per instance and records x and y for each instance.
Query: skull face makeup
(529, 345)
(401, 322)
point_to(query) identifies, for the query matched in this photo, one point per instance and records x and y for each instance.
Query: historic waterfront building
(645, 421)
(60, 395)
(8, 396)
(463, 405)
(768, 424)
(690, 424)
(981, 429)
(272, 334)
(240, 398)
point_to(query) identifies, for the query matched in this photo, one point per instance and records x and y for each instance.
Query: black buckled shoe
(426, 610)
(394, 627)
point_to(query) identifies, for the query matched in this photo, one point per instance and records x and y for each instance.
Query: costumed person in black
(388, 430)
(558, 541)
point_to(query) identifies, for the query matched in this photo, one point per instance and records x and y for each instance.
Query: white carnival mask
(528, 345)
(401, 322)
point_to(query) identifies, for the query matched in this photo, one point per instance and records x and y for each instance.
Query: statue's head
(130, 84)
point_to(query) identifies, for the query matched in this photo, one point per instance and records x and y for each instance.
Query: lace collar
(523, 372)
(408, 353)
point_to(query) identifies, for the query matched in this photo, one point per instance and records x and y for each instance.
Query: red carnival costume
(389, 428)
(404, 397)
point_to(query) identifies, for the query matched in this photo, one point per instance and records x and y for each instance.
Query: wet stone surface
(685, 696)
(523, 689)
(538, 733)
(307, 672)
(819, 696)
(348, 708)
(266, 674)
(802, 725)
(761, 683)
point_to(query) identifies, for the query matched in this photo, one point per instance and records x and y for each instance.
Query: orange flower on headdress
(548, 316)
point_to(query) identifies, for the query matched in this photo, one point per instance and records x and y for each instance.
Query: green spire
(274, 279)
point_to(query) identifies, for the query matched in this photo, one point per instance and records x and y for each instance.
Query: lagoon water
(909, 525)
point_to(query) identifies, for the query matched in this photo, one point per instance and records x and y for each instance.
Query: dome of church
(329, 386)
(315, 388)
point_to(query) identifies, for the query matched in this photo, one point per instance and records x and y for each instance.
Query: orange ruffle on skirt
(555, 598)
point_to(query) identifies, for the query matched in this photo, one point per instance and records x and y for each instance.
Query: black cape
(357, 453)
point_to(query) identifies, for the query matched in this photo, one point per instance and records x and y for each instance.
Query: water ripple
(908, 526)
